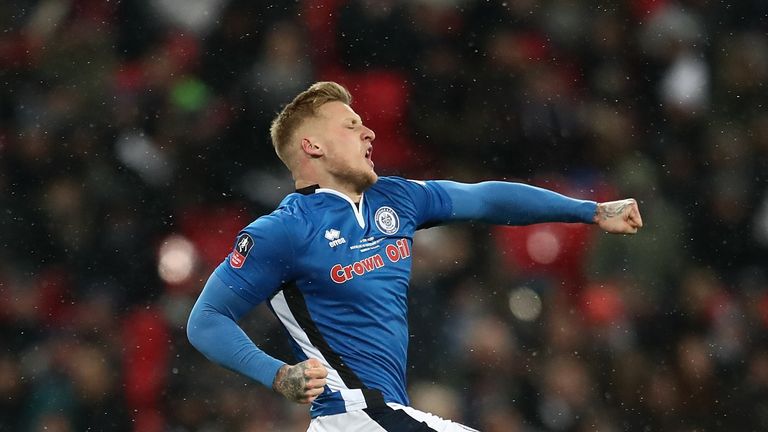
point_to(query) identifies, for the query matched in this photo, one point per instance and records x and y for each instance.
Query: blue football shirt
(336, 273)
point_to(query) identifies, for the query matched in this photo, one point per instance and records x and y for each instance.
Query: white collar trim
(358, 212)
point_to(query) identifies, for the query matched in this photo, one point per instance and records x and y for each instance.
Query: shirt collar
(308, 190)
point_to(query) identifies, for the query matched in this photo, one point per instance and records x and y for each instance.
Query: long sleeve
(507, 203)
(212, 329)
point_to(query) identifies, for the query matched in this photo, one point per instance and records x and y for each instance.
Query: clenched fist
(302, 382)
(619, 217)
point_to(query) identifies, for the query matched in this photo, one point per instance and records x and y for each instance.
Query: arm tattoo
(292, 382)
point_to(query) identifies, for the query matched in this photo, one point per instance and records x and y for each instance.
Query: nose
(368, 134)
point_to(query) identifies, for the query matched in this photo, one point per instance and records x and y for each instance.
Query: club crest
(387, 220)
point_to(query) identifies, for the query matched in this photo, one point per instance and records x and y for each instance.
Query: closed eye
(353, 123)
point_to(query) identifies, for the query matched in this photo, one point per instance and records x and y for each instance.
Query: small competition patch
(240, 253)
(387, 220)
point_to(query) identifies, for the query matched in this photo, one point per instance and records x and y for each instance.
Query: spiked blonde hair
(301, 108)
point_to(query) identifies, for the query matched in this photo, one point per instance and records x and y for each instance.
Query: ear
(311, 148)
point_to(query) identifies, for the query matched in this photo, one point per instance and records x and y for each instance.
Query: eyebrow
(354, 120)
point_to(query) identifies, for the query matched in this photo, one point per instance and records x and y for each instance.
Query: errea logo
(334, 237)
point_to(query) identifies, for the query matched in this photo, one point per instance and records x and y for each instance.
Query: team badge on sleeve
(387, 220)
(240, 253)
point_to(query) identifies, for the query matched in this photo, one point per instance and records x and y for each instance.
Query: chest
(346, 262)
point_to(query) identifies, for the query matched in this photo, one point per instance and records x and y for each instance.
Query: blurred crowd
(134, 145)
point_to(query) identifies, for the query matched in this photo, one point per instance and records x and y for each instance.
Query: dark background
(134, 145)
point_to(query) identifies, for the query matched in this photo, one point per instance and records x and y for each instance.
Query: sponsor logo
(240, 253)
(394, 252)
(334, 237)
(387, 220)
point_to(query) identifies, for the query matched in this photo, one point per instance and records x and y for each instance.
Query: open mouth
(368, 155)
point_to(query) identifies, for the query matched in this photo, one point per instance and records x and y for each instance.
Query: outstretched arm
(213, 330)
(508, 203)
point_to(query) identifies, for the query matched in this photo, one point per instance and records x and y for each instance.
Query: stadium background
(134, 145)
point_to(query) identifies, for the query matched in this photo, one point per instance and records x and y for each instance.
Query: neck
(350, 192)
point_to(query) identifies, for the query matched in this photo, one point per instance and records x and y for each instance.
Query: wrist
(596, 215)
(279, 376)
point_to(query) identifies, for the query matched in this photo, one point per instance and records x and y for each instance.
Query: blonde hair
(301, 108)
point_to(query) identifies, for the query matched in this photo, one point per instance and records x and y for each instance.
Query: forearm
(507, 203)
(212, 329)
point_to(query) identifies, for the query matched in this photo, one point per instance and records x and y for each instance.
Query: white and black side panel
(291, 309)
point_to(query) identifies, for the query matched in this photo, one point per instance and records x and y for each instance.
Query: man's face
(347, 145)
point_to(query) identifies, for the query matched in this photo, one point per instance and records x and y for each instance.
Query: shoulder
(283, 220)
(397, 185)
(301, 206)
(296, 216)
(396, 181)
(399, 188)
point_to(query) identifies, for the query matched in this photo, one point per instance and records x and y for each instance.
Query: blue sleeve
(506, 203)
(259, 263)
(212, 329)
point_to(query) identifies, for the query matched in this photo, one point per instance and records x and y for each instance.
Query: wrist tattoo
(613, 209)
